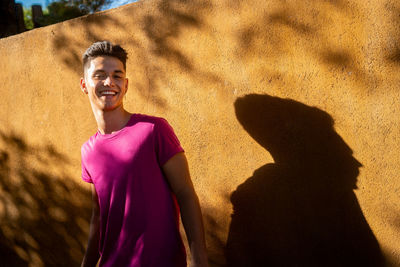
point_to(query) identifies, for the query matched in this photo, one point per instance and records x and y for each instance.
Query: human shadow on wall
(44, 214)
(302, 209)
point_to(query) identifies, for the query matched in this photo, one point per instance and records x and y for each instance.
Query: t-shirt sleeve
(167, 144)
(85, 174)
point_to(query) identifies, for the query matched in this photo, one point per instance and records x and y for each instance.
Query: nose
(109, 81)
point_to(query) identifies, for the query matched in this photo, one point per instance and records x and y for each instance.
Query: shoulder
(157, 122)
(88, 145)
(150, 119)
(160, 126)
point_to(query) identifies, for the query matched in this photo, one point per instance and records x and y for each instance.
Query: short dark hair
(104, 48)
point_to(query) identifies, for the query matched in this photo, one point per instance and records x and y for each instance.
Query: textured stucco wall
(292, 105)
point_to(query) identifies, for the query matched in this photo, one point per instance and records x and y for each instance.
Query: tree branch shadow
(150, 31)
(44, 213)
(393, 53)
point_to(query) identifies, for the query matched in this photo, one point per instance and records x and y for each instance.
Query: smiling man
(140, 176)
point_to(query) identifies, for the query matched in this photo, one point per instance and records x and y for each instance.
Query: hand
(203, 262)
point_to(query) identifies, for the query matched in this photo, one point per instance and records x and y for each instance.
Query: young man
(140, 177)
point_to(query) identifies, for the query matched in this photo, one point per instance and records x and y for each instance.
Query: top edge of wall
(137, 4)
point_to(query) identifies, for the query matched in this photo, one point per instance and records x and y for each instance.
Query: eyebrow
(116, 71)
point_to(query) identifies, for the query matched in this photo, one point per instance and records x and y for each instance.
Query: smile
(108, 93)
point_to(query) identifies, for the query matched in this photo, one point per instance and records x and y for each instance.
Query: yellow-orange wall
(242, 83)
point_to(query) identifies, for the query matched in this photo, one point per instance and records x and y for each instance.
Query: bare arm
(177, 173)
(92, 251)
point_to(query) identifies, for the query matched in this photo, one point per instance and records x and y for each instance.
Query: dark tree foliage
(62, 10)
(93, 5)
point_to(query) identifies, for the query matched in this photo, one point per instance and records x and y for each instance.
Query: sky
(117, 3)
(44, 3)
(29, 3)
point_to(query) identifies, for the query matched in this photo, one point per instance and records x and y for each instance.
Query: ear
(126, 85)
(83, 86)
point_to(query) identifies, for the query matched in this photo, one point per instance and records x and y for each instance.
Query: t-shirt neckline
(116, 133)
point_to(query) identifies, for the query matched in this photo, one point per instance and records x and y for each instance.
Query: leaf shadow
(44, 214)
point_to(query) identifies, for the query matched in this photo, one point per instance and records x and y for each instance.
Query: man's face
(105, 83)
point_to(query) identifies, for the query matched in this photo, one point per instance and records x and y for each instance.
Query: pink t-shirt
(139, 215)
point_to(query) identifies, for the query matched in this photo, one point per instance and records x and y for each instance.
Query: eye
(117, 77)
(99, 76)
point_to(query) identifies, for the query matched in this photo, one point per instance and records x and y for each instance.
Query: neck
(111, 121)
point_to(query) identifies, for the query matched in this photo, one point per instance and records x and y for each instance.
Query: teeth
(108, 93)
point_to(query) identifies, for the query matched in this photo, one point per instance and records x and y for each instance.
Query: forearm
(193, 224)
(177, 173)
(92, 255)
